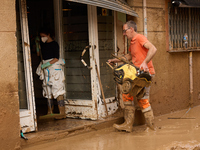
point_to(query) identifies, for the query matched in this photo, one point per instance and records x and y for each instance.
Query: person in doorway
(51, 72)
(141, 52)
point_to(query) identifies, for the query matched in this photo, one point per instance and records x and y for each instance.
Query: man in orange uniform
(141, 52)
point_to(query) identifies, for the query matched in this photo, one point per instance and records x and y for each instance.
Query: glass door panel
(105, 19)
(75, 26)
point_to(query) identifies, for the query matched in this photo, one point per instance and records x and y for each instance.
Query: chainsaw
(132, 79)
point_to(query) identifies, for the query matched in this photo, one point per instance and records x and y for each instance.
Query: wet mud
(171, 134)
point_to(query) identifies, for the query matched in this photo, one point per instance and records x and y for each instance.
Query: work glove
(45, 65)
(37, 44)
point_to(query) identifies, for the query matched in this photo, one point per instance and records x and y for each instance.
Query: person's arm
(49, 63)
(37, 45)
(115, 60)
(53, 61)
(152, 51)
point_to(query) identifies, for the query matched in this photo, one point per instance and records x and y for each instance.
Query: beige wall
(170, 88)
(9, 105)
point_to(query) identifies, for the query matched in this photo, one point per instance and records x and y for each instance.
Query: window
(184, 22)
(75, 23)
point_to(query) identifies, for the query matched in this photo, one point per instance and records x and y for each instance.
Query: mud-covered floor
(171, 134)
(68, 124)
(50, 129)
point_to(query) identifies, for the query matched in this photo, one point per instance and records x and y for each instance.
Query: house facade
(80, 23)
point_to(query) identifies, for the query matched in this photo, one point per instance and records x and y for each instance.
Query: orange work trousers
(143, 102)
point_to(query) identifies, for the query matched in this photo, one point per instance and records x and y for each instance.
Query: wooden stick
(109, 65)
(125, 61)
(48, 99)
(179, 118)
(101, 88)
(182, 116)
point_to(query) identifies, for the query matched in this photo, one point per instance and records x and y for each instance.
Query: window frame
(167, 23)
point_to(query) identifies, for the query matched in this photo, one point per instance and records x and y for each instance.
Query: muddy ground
(171, 134)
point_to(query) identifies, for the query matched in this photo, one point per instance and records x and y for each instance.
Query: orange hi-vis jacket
(139, 52)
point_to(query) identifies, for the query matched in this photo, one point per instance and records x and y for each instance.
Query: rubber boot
(149, 117)
(61, 106)
(129, 119)
(52, 107)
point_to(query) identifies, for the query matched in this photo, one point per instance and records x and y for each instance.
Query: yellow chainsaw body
(129, 72)
(132, 82)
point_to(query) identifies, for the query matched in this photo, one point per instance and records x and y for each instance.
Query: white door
(106, 21)
(26, 93)
(80, 28)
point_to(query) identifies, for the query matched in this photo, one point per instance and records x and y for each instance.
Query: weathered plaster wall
(170, 89)
(9, 105)
(196, 75)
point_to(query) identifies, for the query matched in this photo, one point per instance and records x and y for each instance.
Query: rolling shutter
(116, 5)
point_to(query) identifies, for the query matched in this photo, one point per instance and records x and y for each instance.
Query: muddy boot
(129, 119)
(52, 107)
(149, 119)
(61, 106)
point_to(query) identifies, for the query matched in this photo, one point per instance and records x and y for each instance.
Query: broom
(51, 115)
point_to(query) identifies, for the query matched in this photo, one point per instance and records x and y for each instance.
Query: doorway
(77, 25)
(40, 13)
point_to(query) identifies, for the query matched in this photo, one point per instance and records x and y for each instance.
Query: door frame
(85, 109)
(111, 102)
(27, 116)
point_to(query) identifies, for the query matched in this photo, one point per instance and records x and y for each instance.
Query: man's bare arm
(53, 61)
(151, 52)
(115, 60)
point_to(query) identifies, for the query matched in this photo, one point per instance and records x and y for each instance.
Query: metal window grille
(181, 21)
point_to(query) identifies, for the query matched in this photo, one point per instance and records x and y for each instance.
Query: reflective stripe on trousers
(143, 102)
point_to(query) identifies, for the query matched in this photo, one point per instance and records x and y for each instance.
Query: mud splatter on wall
(170, 88)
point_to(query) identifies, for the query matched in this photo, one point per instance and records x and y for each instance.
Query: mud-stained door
(85, 25)
(25, 82)
(106, 37)
(78, 78)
